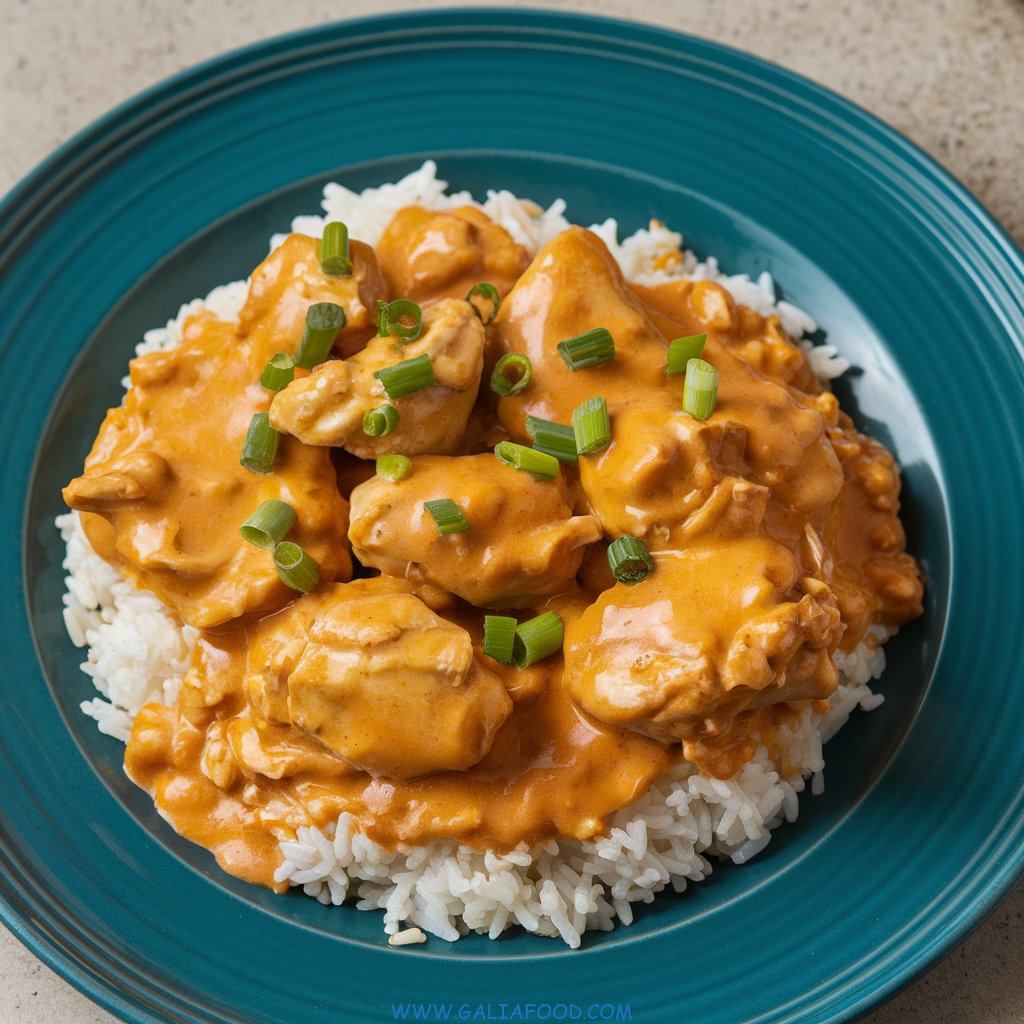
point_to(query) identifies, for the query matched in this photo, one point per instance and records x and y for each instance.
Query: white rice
(139, 651)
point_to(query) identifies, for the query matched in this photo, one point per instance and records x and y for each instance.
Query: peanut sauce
(773, 526)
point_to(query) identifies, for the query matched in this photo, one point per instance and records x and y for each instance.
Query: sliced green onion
(323, 321)
(380, 421)
(701, 389)
(447, 515)
(393, 467)
(630, 560)
(267, 526)
(279, 372)
(541, 465)
(537, 638)
(260, 448)
(488, 291)
(333, 252)
(590, 349)
(389, 322)
(295, 567)
(553, 439)
(591, 426)
(682, 350)
(499, 637)
(511, 374)
(407, 376)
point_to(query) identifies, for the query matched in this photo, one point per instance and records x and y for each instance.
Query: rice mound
(138, 652)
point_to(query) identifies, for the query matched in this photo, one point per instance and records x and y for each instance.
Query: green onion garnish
(488, 291)
(393, 467)
(447, 515)
(260, 446)
(590, 349)
(591, 426)
(701, 389)
(334, 254)
(511, 374)
(682, 350)
(323, 321)
(295, 567)
(541, 465)
(389, 322)
(279, 372)
(499, 637)
(267, 526)
(537, 638)
(629, 559)
(380, 421)
(553, 439)
(406, 377)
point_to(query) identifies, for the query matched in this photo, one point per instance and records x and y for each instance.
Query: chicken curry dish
(478, 546)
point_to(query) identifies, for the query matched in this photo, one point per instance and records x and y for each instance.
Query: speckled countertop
(950, 75)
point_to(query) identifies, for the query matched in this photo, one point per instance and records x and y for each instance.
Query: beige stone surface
(948, 73)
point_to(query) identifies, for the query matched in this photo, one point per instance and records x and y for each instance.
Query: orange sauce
(773, 526)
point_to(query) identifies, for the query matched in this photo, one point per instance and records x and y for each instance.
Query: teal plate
(920, 831)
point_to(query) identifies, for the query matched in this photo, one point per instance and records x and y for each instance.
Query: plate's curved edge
(938, 951)
(948, 939)
(67, 962)
(184, 87)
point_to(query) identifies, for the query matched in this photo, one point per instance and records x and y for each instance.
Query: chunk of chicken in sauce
(347, 664)
(290, 280)
(661, 465)
(427, 255)
(328, 406)
(855, 542)
(163, 484)
(720, 627)
(758, 340)
(523, 541)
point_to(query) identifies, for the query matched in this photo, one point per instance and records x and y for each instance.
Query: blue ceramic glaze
(921, 828)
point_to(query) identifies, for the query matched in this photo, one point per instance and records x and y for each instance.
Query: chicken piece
(426, 256)
(718, 628)
(775, 438)
(219, 772)
(574, 286)
(290, 280)
(523, 541)
(705, 305)
(662, 465)
(327, 407)
(378, 678)
(661, 469)
(164, 472)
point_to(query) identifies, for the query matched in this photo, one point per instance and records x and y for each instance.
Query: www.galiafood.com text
(511, 1011)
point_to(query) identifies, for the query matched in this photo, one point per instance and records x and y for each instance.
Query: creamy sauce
(164, 471)
(231, 781)
(773, 526)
